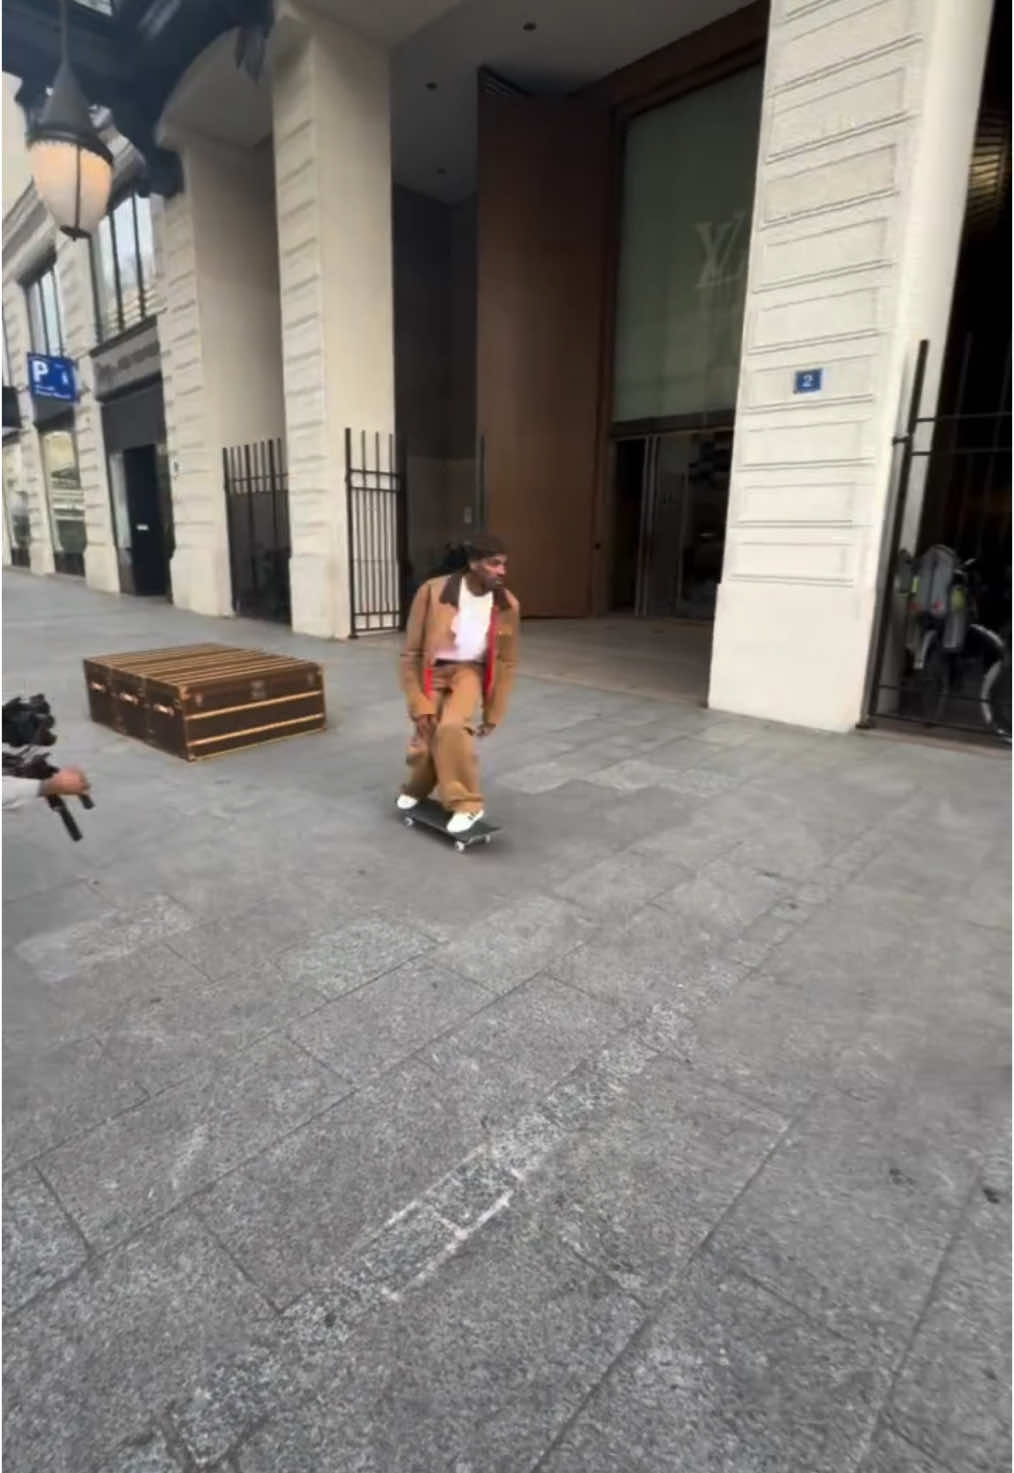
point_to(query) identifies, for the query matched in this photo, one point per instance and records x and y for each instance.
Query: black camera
(31, 724)
(28, 723)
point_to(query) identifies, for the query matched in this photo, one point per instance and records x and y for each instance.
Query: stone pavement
(671, 1132)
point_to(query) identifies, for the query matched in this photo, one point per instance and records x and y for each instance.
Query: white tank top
(470, 627)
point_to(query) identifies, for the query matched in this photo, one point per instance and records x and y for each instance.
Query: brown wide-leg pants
(448, 762)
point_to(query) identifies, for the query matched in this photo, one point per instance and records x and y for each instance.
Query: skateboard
(431, 815)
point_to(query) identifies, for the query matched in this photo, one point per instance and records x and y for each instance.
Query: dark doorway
(671, 495)
(147, 544)
(627, 503)
(967, 501)
(257, 508)
(133, 426)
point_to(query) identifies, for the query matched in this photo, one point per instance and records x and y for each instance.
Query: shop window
(45, 318)
(688, 180)
(19, 532)
(118, 496)
(123, 267)
(66, 500)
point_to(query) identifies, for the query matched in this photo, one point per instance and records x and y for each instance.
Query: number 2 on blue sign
(808, 381)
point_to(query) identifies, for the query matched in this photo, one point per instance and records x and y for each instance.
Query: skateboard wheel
(488, 837)
(409, 823)
(459, 846)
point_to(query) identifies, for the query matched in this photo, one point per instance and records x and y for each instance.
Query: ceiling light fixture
(71, 166)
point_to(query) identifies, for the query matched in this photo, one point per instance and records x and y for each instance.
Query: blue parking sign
(51, 378)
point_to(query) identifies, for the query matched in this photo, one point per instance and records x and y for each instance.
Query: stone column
(33, 480)
(220, 344)
(333, 171)
(78, 307)
(866, 137)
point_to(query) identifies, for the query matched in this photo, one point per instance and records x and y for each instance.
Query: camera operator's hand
(69, 782)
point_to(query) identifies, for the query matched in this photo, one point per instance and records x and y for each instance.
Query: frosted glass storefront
(19, 530)
(66, 500)
(688, 182)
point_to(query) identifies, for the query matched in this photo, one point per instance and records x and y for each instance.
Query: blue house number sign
(808, 381)
(51, 378)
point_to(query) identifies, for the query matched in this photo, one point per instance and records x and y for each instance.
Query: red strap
(427, 682)
(487, 684)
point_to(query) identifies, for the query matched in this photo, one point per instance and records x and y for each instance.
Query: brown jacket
(429, 629)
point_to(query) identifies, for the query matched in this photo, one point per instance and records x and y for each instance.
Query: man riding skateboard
(460, 655)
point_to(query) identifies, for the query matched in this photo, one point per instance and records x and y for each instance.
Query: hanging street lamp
(71, 166)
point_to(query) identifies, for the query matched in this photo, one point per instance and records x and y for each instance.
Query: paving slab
(953, 1395)
(671, 1131)
(377, 1025)
(476, 1370)
(514, 944)
(508, 1055)
(41, 1245)
(131, 1329)
(292, 1215)
(638, 1196)
(61, 1094)
(891, 1453)
(851, 1217)
(728, 1379)
(619, 886)
(774, 1039)
(345, 959)
(149, 1159)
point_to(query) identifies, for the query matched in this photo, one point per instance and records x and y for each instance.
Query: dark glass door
(671, 497)
(146, 538)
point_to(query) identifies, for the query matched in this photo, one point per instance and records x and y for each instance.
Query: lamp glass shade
(73, 183)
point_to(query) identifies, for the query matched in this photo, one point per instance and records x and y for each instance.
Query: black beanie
(484, 545)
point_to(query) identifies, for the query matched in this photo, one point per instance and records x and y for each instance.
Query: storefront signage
(51, 378)
(127, 362)
(808, 381)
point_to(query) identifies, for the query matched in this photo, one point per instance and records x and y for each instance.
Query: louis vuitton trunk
(203, 700)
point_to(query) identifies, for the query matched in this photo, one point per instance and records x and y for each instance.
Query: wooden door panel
(543, 176)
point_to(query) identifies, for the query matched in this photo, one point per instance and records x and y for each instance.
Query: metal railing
(961, 463)
(256, 486)
(375, 489)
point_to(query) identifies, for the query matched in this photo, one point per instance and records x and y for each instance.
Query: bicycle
(946, 636)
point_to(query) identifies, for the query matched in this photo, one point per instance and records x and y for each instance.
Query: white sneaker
(460, 823)
(406, 801)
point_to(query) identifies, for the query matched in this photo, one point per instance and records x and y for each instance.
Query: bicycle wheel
(995, 698)
(934, 683)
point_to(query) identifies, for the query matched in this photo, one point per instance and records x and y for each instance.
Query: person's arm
(413, 656)
(69, 782)
(508, 651)
(18, 791)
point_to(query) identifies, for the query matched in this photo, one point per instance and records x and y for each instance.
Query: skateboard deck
(430, 815)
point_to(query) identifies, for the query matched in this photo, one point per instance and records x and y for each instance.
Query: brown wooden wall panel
(543, 191)
(733, 41)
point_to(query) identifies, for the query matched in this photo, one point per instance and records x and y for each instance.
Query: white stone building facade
(275, 317)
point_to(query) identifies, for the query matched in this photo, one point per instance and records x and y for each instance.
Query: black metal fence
(257, 506)
(921, 671)
(375, 492)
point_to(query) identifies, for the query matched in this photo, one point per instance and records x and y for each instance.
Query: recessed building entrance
(670, 500)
